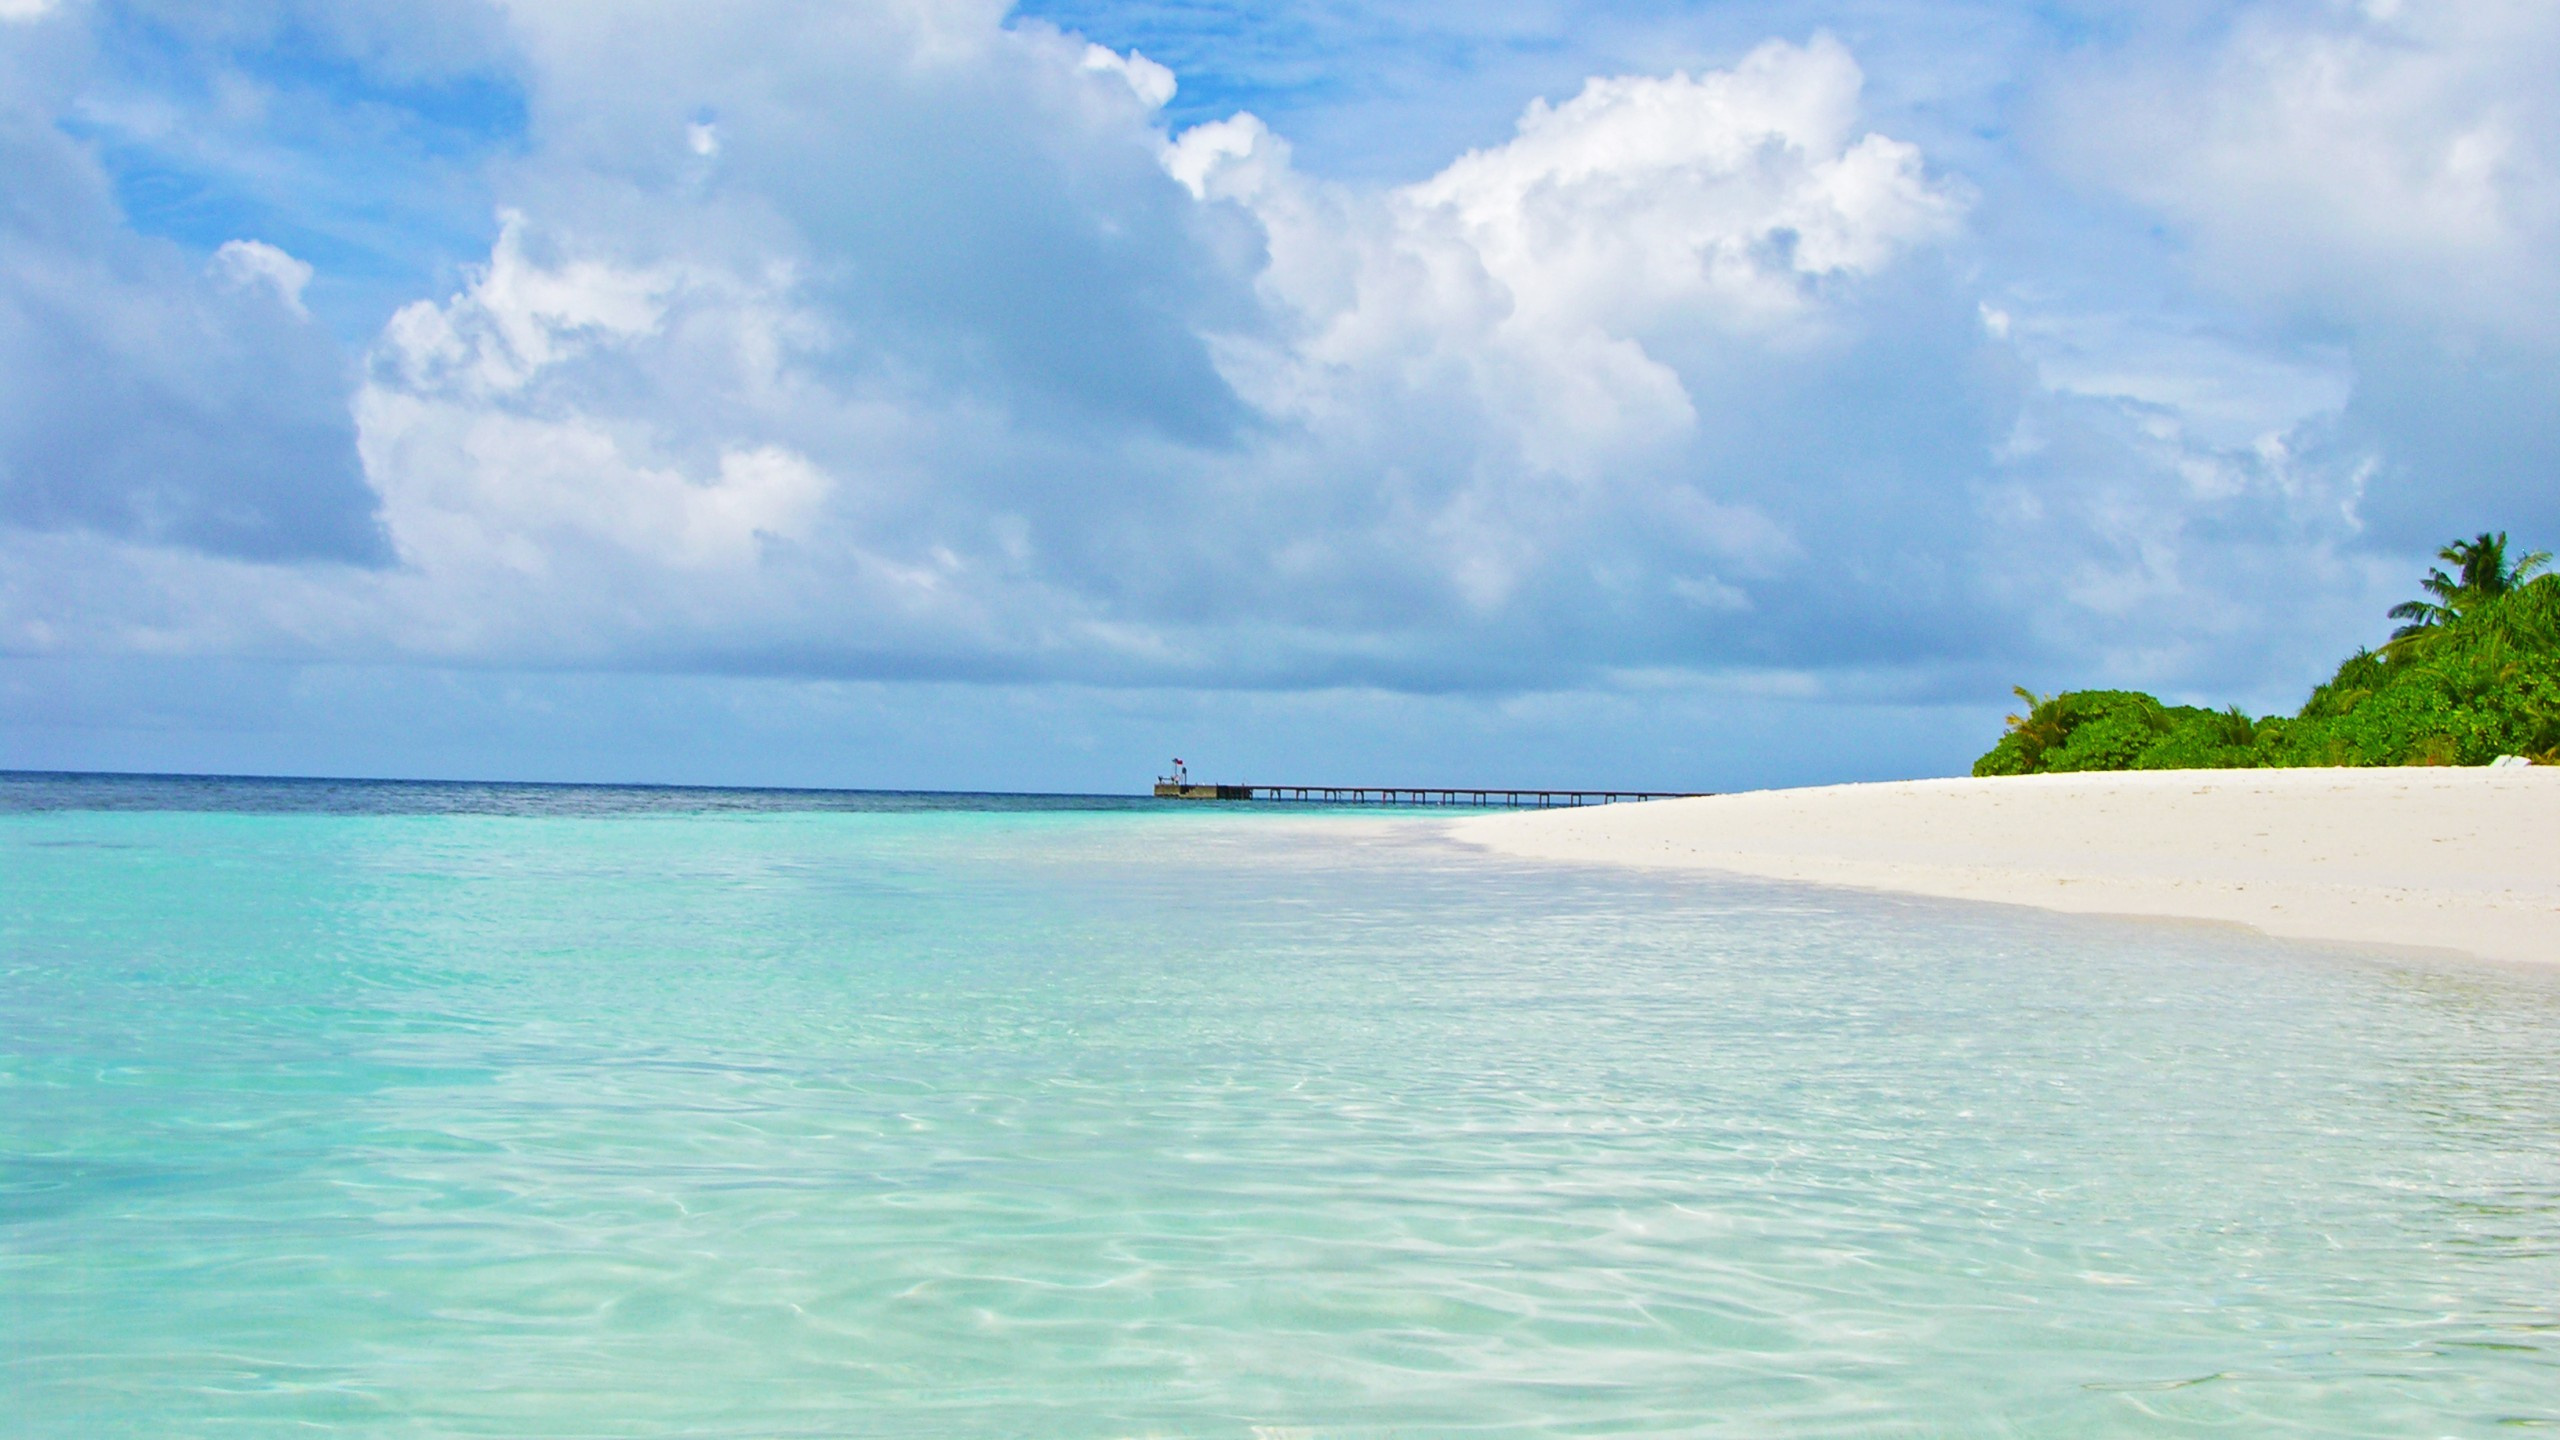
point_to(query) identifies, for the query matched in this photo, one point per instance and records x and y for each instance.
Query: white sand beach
(2461, 859)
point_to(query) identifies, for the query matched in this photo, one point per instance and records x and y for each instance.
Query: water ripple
(930, 1122)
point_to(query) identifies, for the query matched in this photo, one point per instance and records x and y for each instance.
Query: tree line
(2471, 674)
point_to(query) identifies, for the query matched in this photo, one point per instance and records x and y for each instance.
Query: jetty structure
(1180, 786)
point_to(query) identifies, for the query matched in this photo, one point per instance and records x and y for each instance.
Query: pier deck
(1511, 799)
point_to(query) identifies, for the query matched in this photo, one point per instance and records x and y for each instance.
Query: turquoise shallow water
(383, 1115)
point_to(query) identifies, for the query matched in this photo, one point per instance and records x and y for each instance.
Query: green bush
(2118, 730)
(2474, 674)
(2204, 740)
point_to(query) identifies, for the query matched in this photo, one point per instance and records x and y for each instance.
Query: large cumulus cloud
(2382, 177)
(1109, 400)
(144, 393)
(906, 340)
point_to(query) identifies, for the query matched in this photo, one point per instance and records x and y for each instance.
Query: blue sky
(942, 394)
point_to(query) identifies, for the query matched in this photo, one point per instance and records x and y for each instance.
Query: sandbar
(2464, 859)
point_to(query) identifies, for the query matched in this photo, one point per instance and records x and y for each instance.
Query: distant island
(2471, 675)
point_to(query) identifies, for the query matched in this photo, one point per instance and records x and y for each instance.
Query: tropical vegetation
(2471, 674)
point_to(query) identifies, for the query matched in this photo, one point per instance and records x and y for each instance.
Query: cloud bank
(149, 397)
(912, 341)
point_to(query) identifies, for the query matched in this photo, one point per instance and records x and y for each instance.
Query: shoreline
(2430, 857)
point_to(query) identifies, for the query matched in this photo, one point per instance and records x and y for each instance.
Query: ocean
(447, 1110)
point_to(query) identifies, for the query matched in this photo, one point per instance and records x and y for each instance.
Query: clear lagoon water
(540, 1111)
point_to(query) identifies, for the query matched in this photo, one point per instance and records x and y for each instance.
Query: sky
(941, 394)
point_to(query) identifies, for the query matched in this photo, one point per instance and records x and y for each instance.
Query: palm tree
(2481, 573)
(2039, 729)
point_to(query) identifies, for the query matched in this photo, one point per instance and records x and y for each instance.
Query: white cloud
(1586, 401)
(1457, 414)
(2375, 188)
(956, 362)
(242, 263)
(148, 394)
(2224, 389)
(1722, 198)
(1517, 299)
(1153, 84)
(470, 490)
(2380, 161)
(1709, 593)
(493, 429)
(25, 9)
(519, 317)
(1725, 190)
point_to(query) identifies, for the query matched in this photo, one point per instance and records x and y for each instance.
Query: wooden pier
(1408, 795)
